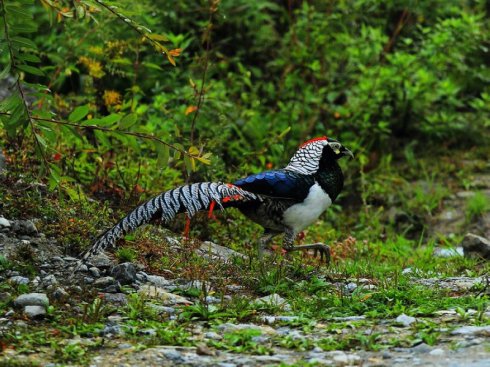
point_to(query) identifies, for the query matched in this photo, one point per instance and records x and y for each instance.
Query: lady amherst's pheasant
(282, 201)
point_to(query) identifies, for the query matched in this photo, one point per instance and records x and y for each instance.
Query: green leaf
(5, 72)
(30, 69)
(28, 57)
(163, 154)
(128, 121)
(79, 113)
(23, 42)
(109, 120)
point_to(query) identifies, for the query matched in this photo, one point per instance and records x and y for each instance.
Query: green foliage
(477, 205)
(96, 90)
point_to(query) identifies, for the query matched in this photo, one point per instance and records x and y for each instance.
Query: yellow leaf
(190, 109)
(193, 151)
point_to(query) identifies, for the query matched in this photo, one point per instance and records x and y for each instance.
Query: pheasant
(282, 201)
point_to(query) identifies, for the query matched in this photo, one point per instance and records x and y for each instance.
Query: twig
(205, 70)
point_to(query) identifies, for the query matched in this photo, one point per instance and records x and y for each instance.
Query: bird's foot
(320, 248)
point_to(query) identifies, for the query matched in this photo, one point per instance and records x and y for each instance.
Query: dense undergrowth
(97, 119)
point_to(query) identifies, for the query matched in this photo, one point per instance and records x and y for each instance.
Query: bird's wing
(279, 184)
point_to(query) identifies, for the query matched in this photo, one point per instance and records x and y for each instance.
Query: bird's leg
(323, 249)
(263, 241)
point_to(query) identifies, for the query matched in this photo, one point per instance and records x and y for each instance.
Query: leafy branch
(191, 153)
(16, 64)
(144, 32)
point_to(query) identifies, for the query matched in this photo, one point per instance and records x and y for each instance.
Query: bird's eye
(335, 147)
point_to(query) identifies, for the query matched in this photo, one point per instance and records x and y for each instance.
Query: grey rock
(4, 223)
(88, 280)
(142, 276)
(160, 294)
(174, 356)
(50, 280)
(213, 335)
(101, 261)
(405, 320)
(421, 348)
(111, 329)
(24, 227)
(213, 251)
(162, 309)
(472, 330)
(104, 282)
(448, 252)
(17, 280)
(351, 287)
(32, 299)
(158, 280)
(60, 294)
(95, 272)
(83, 268)
(113, 288)
(125, 273)
(349, 318)
(148, 332)
(437, 352)
(476, 246)
(115, 298)
(35, 312)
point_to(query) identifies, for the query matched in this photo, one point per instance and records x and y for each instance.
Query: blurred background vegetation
(123, 98)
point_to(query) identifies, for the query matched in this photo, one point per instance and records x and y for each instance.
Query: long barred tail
(188, 198)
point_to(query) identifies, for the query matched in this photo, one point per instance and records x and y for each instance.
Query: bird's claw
(324, 251)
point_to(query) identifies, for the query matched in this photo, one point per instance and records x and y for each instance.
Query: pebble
(115, 298)
(17, 280)
(157, 280)
(60, 293)
(35, 312)
(125, 273)
(24, 227)
(4, 223)
(350, 287)
(472, 330)
(32, 299)
(95, 272)
(104, 282)
(405, 320)
(162, 295)
(437, 352)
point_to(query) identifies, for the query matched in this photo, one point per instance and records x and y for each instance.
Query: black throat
(330, 177)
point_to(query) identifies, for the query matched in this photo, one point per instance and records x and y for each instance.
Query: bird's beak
(347, 152)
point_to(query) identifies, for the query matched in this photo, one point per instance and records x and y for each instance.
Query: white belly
(299, 216)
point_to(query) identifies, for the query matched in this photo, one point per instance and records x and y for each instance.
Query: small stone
(213, 335)
(204, 350)
(60, 294)
(162, 295)
(407, 271)
(142, 276)
(421, 348)
(210, 250)
(115, 298)
(101, 261)
(125, 273)
(148, 332)
(174, 356)
(437, 352)
(4, 223)
(113, 288)
(405, 320)
(24, 227)
(17, 280)
(476, 246)
(35, 312)
(83, 268)
(448, 252)
(472, 330)
(88, 280)
(351, 287)
(274, 300)
(50, 280)
(349, 318)
(104, 282)
(32, 299)
(158, 280)
(111, 329)
(95, 272)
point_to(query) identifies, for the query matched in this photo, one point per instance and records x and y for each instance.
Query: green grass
(477, 205)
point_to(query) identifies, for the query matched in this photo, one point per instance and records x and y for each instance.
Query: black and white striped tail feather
(188, 198)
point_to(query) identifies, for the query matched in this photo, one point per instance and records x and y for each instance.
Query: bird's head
(312, 153)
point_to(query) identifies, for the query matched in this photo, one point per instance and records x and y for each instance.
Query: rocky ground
(119, 314)
(271, 339)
